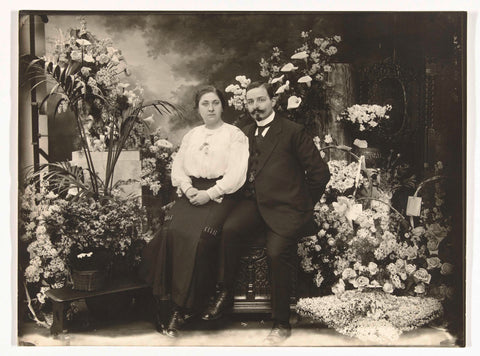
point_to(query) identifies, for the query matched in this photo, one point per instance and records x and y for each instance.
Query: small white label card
(413, 206)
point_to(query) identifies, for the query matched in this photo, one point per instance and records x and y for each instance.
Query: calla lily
(282, 88)
(149, 120)
(288, 67)
(278, 79)
(293, 102)
(83, 42)
(300, 55)
(305, 79)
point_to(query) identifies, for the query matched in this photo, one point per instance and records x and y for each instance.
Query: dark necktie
(261, 129)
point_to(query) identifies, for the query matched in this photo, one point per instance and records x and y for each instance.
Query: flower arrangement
(157, 157)
(61, 234)
(374, 317)
(238, 100)
(365, 117)
(157, 154)
(88, 77)
(366, 121)
(366, 251)
(300, 80)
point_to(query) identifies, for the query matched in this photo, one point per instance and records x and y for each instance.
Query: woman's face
(210, 109)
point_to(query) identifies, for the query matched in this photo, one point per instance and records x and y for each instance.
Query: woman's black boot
(175, 324)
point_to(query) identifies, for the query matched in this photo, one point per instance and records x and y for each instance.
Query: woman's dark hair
(267, 86)
(208, 89)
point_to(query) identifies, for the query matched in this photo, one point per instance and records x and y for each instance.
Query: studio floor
(234, 330)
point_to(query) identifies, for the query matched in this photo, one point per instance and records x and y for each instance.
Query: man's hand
(200, 198)
(191, 193)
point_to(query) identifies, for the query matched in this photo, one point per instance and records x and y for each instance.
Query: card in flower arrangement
(413, 206)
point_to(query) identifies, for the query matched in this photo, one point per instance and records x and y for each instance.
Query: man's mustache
(256, 111)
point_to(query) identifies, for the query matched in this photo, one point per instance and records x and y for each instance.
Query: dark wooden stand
(63, 296)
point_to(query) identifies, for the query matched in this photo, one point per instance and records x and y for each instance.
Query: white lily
(305, 79)
(293, 102)
(300, 55)
(283, 88)
(278, 79)
(288, 68)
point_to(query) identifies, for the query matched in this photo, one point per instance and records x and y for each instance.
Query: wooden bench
(251, 295)
(63, 296)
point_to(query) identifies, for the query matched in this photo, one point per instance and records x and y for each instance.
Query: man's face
(259, 104)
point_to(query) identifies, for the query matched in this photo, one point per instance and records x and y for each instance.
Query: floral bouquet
(366, 121)
(238, 100)
(61, 234)
(88, 76)
(300, 80)
(157, 158)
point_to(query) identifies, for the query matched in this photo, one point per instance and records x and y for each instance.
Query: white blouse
(207, 153)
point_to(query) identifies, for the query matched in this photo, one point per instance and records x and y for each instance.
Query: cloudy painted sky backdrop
(170, 54)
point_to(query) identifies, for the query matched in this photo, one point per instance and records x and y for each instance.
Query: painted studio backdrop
(382, 95)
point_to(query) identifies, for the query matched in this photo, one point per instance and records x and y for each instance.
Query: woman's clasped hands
(197, 197)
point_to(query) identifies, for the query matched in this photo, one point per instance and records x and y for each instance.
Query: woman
(209, 167)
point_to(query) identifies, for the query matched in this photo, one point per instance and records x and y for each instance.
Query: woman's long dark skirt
(181, 262)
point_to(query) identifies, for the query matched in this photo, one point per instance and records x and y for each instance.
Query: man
(286, 177)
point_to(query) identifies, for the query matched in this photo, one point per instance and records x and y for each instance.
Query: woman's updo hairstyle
(208, 89)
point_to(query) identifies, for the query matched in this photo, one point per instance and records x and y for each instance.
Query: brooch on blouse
(205, 147)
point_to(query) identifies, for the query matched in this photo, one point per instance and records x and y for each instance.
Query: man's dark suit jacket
(291, 177)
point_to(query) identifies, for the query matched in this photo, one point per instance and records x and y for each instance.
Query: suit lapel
(269, 143)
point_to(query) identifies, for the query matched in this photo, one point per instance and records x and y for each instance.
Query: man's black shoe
(279, 333)
(159, 325)
(174, 326)
(222, 302)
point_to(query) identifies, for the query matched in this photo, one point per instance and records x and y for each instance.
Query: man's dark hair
(267, 86)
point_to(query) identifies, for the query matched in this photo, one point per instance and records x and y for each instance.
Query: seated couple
(234, 181)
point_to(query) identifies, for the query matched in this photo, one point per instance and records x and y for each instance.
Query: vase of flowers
(366, 123)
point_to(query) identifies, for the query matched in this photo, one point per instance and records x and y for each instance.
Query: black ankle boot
(222, 302)
(159, 324)
(175, 324)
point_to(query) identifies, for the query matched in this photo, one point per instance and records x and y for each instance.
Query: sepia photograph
(241, 178)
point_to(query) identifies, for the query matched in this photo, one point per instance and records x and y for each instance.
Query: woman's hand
(191, 193)
(200, 198)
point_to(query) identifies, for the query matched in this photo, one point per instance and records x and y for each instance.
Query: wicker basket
(88, 281)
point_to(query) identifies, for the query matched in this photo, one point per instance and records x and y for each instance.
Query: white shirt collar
(267, 120)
